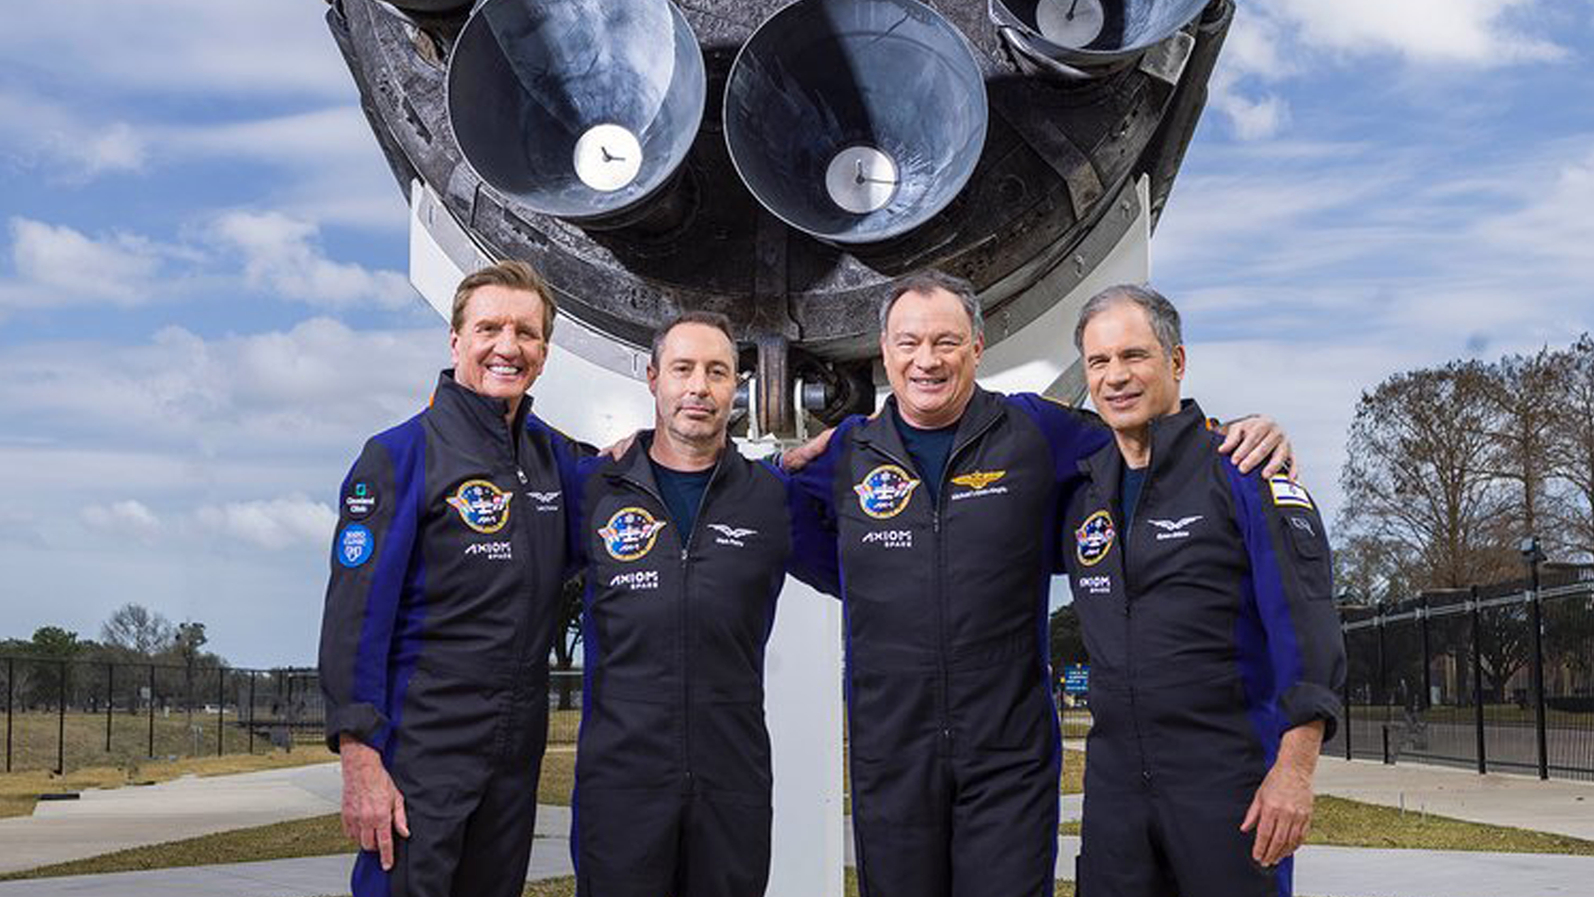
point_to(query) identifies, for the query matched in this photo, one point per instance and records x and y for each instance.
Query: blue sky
(203, 309)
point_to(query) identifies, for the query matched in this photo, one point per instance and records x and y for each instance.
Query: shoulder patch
(355, 545)
(360, 499)
(1289, 494)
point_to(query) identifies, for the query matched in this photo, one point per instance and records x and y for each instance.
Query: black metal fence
(68, 714)
(1495, 678)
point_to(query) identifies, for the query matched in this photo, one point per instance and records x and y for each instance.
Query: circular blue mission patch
(355, 545)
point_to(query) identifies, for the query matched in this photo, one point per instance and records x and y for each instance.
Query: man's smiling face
(1131, 377)
(930, 354)
(500, 346)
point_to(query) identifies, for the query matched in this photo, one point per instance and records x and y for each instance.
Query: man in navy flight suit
(1205, 600)
(446, 573)
(685, 545)
(948, 509)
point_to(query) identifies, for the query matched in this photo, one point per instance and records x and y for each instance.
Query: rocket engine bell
(855, 121)
(579, 109)
(783, 162)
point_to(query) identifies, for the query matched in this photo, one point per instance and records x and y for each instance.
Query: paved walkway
(1560, 806)
(133, 816)
(1320, 872)
(112, 820)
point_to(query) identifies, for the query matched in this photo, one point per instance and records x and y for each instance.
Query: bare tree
(1418, 475)
(136, 628)
(1523, 392)
(1571, 443)
(1370, 570)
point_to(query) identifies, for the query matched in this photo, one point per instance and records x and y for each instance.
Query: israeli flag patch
(1289, 494)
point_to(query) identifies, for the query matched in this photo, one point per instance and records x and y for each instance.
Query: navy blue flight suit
(955, 748)
(445, 589)
(1211, 629)
(673, 763)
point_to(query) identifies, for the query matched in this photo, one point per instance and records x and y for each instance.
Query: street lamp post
(1533, 555)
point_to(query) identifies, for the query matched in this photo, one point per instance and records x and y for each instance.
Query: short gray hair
(927, 281)
(1159, 311)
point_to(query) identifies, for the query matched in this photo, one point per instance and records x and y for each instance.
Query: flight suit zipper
(938, 570)
(687, 776)
(1129, 516)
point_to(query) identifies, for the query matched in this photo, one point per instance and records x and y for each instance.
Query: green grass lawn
(35, 737)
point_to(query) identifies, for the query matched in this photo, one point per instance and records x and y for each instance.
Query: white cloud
(317, 386)
(70, 145)
(1277, 41)
(271, 524)
(281, 254)
(63, 266)
(127, 517)
(177, 47)
(1484, 33)
(58, 266)
(1555, 224)
(330, 169)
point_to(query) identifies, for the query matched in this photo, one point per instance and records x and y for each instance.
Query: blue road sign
(1076, 679)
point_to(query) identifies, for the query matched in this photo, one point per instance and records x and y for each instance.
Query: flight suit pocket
(1310, 554)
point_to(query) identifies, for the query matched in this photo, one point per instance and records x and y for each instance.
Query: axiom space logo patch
(886, 491)
(1095, 538)
(630, 533)
(483, 506)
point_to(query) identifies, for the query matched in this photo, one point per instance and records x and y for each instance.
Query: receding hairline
(929, 292)
(1160, 314)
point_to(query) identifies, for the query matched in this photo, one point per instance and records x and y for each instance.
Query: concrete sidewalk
(1559, 806)
(1320, 872)
(101, 821)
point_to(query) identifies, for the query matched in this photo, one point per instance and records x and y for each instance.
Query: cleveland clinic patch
(1094, 538)
(886, 491)
(483, 506)
(355, 545)
(359, 500)
(630, 533)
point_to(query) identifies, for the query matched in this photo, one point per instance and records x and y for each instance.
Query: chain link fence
(1495, 678)
(68, 714)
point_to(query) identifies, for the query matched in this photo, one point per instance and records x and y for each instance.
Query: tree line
(1450, 468)
(132, 634)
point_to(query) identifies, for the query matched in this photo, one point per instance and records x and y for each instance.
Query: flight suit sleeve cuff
(1308, 702)
(362, 721)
